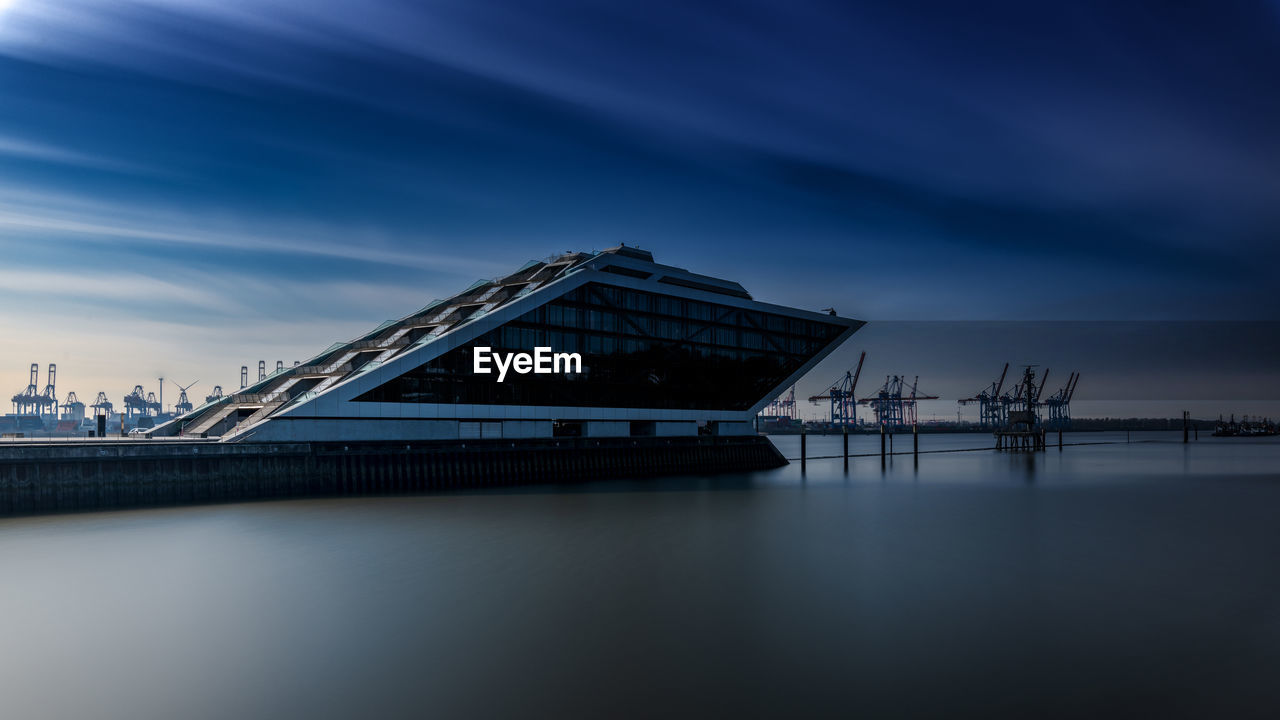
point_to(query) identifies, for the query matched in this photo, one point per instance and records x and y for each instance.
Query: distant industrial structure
(895, 408)
(995, 403)
(33, 401)
(1059, 404)
(842, 398)
(38, 410)
(782, 408)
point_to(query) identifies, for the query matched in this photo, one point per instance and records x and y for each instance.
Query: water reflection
(1098, 577)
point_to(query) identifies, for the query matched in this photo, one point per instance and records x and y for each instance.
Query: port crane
(214, 396)
(784, 406)
(1059, 404)
(992, 413)
(49, 398)
(841, 395)
(894, 409)
(102, 406)
(72, 408)
(139, 403)
(33, 401)
(24, 403)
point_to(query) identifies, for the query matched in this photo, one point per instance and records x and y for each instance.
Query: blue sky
(191, 185)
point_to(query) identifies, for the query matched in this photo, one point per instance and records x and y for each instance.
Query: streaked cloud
(291, 168)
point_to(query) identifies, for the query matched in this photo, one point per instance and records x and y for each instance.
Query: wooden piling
(803, 439)
(882, 460)
(915, 444)
(846, 447)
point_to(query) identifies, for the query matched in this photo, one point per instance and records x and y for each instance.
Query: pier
(61, 477)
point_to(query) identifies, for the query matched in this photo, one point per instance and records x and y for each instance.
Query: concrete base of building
(39, 478)
(290, 430)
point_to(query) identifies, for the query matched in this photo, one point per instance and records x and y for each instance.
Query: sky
(188, 186)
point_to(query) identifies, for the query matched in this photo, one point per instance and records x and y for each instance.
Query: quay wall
(64, 477)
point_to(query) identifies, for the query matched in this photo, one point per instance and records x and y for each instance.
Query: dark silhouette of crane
(783, 406)
(138, 403)
(992, 412)
(48, 399)
(72, 408)
(102, 405)
(24, 403)
(895, 409)
(1059, 404)
(841, 394)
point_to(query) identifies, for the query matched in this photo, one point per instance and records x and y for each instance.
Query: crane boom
(857, 372)
(1000, 384)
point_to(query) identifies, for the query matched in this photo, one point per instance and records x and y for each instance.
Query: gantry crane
(25, 403)
(102, 405)
(841, 395)
(894, 409)
(72, 408)
(49, 398)
(1059, 404)
(991, 411)
(783, 406)
(139, 403)
(214, 396)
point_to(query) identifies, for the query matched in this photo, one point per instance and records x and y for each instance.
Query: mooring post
(915, 444)
(881, 446)
(803, 439)
(1186, 431)
(1059, 441)
(846, 447)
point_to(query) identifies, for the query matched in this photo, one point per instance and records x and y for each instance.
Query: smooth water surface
(1098, 578)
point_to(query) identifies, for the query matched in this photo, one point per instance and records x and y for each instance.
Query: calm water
(1094, 579)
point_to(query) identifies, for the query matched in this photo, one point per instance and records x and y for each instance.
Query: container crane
(991, 411)
(24, 403)
(784, 406)
(102, 405)
(48, 400)
(841, 395)
(72, 408)
(1059, 404)
(136, 402)
(894, 409)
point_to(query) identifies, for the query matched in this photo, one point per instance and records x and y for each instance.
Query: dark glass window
(639, 350)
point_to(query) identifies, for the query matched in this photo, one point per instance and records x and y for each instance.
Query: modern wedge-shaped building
(630, 349)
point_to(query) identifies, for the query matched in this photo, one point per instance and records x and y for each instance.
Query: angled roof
(400, 342)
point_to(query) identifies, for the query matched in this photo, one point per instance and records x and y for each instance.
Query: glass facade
(639, 350)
